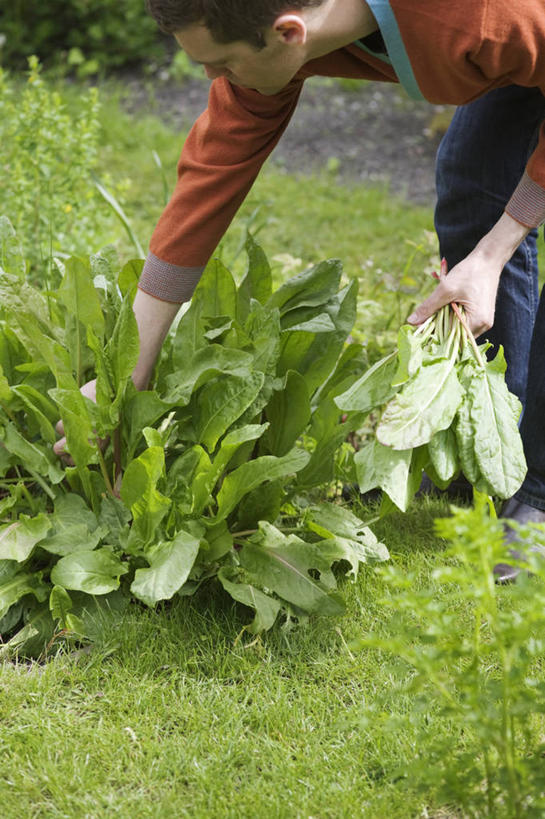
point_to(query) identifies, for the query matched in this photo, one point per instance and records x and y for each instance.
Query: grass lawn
(175, 713)
(179, 712)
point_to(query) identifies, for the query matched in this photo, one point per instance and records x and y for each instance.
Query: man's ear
(291, 29)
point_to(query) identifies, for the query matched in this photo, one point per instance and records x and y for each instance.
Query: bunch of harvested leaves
(443, 408)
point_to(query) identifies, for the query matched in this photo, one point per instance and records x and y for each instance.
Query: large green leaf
(170, 565)
(266, 607)
(140, 494)
(205, 479)
(288, 566)
(330, 519)
(79, 295)
(74, 527)
(17, 540)
(427, 404)
(497, 441)
(76, 412)
(314, 286)
(253, 473)
(316, 360)
(40, 408)
(288, 413)
(19, 585)
(216, 290)
(206, 363)
(93, 572)
(123, 348)
(257, 283)
(35, 457)
(444, 454)
(380, 466)
(373, 389)
(220, 403)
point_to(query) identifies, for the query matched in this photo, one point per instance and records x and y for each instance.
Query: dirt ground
(368, 132)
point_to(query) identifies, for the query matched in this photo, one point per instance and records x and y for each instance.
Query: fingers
(440, 296)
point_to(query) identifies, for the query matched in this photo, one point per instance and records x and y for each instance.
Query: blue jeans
(479, 163)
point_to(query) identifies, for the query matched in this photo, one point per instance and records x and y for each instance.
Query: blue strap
(394, 46)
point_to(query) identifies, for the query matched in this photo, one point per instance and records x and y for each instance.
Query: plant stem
(469, 334)
(103, 469)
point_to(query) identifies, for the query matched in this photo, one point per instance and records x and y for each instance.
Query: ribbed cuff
(527, 204)
(168, 282)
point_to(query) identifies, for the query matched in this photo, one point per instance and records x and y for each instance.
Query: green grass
(175, 713)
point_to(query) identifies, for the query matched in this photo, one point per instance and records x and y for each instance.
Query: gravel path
(368, 133)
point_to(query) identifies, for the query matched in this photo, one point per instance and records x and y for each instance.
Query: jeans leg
(479, 163)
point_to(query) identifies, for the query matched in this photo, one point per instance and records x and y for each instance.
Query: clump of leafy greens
(442, 408)
(210, 474)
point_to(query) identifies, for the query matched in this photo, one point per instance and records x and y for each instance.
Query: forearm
(154, 318)
(499, 244)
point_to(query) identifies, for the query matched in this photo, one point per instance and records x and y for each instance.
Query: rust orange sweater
(452, 51)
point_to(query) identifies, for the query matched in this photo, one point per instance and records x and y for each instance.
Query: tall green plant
(48, 155)
(481, 672)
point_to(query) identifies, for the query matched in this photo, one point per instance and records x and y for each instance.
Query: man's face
(268, 70)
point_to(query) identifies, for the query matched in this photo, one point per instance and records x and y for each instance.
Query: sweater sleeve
(220, 160)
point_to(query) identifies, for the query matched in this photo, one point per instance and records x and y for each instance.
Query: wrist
(498, 245)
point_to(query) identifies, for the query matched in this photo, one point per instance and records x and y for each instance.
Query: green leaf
(257, 283)
(380, 466)
(253, 473)
(497, 442)
(129, 276)
(288, 413)
(427, 404)
(76, 413)
(444, 454)
(206, 364)
(170, 565)
(373, 389)
(262, 503)
(217, 291)
(287, 566)
(123, 348)
(32, 456)
(266, 607)
(74, 527)
(19, 585)
(93, 572)
(40, 408)
(221, 403)
(409, 356)
(320, 468)
(205, 479)
(321, 323)
(17, 540)
(79, 295)
(139, 493)
(316, 360)
(314, 286)
(60, 606)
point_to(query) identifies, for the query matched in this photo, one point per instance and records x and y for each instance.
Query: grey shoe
(521, 513)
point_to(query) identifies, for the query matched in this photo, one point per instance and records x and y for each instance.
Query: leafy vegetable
(442, 407)
(201, 474)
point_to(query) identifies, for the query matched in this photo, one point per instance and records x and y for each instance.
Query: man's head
(252, 43)
(227, 20)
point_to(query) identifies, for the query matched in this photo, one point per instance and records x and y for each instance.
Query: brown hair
(226, 20)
